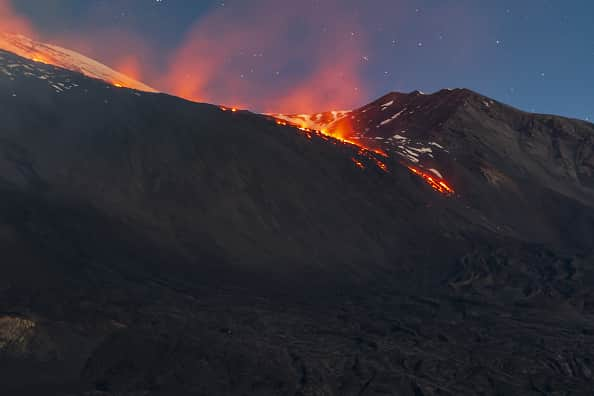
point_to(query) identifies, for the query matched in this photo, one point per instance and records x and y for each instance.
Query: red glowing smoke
(249, 63)
(265, 55)
(12, 22)
(275, 57)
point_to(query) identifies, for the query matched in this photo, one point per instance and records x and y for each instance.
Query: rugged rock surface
(153, 246)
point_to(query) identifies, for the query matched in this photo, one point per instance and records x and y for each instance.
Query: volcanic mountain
(481, 147)
(155, 246)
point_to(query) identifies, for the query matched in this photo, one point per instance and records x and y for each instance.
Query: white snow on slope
(14, 68)
(385, 122)
(67, 59)
(386, 105)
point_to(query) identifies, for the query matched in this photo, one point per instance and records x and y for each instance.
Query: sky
(315, 55)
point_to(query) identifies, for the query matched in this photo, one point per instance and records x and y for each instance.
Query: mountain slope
(157, 246)
(522, 162)
(67, 59)
(254, 196)
(552, 149)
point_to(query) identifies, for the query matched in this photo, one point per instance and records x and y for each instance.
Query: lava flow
(336, 132)
(364, 151)
(40, 59)
(436, 183)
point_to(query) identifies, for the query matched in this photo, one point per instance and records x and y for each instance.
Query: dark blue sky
(537, 55)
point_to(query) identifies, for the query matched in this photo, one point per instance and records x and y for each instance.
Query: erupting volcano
(339, 125)
(426, 244)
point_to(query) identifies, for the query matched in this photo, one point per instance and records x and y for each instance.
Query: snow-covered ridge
(67, 59)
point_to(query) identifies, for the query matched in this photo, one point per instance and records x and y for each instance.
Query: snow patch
(436, 173)
(386, 105)
(385, 122)
(422, 150)
(399, 137)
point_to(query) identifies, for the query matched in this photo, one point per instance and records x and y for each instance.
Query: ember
(358, 163)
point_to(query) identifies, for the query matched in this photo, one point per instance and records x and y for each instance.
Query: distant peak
(67, 59)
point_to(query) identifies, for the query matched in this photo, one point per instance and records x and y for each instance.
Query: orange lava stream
(358, 163)
(363, 150)
(436, 183)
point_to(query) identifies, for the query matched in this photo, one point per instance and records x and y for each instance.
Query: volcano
(157, 246)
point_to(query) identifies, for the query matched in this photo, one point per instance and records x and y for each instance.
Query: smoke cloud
(12, 22)
(264, 55)
(275, 57)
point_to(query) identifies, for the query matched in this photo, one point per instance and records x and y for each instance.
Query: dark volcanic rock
(152, 246)
(530, 175)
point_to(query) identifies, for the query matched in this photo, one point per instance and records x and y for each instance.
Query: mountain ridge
(67, 59)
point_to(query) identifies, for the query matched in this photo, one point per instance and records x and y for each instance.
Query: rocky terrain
(154, 246)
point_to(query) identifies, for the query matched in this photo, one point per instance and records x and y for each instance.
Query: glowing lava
(367, 154)
(334, 133)
(358, 163)
(435, 182)
(39, 59)
(364, 151)
(332, 130)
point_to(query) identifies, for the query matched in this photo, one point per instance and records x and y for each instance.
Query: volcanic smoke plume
(250, 64)
(277, 57)
(264, 55)
(11, 21)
